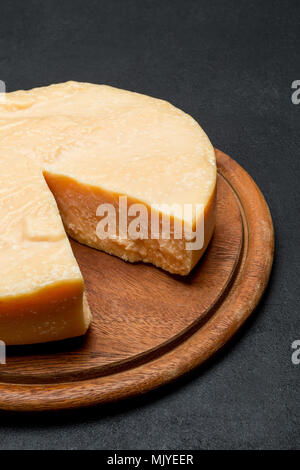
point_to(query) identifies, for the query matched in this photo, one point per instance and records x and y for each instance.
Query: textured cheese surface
(34, 249)
(90, 144)
(114, 139)
(41, 287)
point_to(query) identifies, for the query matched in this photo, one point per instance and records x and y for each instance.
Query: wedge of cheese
(91, 145)
(41, 288)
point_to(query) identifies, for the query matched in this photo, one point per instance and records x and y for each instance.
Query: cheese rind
(90, 144)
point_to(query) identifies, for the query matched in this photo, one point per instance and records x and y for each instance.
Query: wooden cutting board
(150, 327)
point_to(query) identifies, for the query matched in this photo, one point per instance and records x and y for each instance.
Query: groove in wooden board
(116, 351)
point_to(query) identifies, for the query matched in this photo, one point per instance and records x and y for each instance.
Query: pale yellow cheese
(41, 287)
(90, 144)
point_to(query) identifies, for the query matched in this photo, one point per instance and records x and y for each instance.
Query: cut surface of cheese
(90, 144)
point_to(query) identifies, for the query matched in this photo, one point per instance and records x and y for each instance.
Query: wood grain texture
(149, 326)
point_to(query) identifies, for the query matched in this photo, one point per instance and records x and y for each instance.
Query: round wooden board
(150, 327)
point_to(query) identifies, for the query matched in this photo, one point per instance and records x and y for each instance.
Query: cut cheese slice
(41, 287)
(91, 144)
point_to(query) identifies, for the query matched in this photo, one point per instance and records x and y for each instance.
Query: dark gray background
(230, 64)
